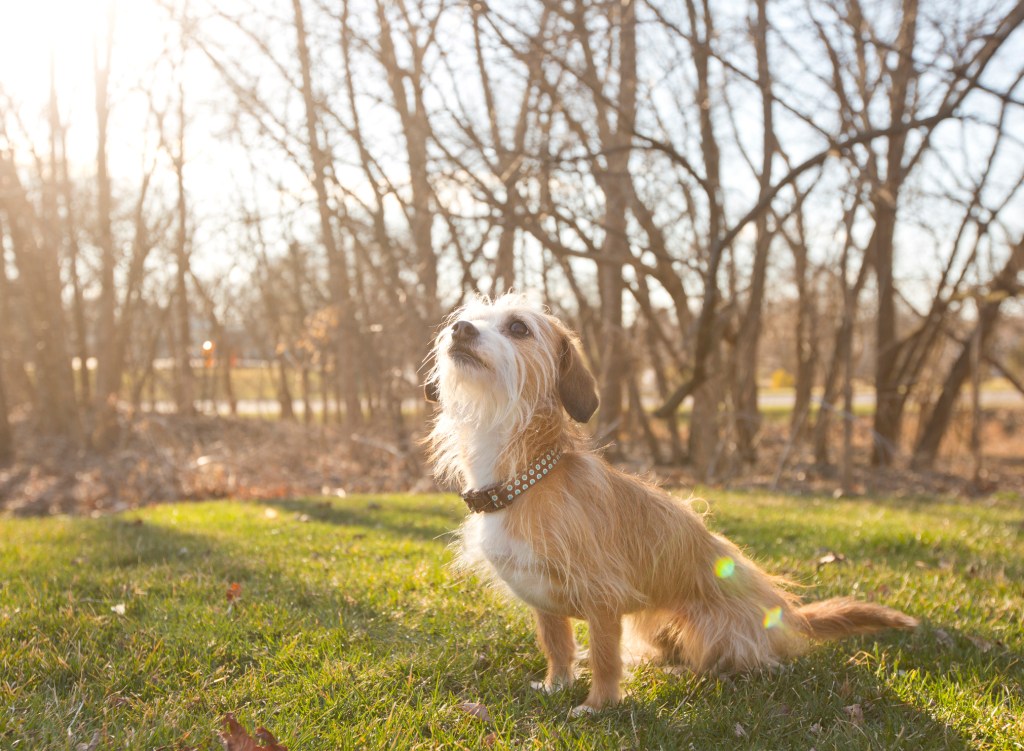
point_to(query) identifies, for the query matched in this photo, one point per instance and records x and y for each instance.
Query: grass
(351, 633)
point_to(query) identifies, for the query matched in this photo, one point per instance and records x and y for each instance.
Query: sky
(34, 32)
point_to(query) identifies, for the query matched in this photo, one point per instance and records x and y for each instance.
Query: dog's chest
(513, 559)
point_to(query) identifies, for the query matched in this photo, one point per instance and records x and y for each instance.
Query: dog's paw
(549, 688)
(581, 711)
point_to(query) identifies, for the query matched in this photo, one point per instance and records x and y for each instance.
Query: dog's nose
(462, 330)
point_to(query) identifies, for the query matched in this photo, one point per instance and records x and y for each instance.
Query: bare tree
(1004, 285)
(6, 435)
(37, 264)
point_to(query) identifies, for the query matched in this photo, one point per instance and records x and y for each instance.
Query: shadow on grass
(807, 537)
(425, 520)
(140, 548)
(823, 700)
(813, 692)
(802, 709)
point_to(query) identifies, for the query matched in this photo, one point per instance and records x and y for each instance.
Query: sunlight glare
(66, 32)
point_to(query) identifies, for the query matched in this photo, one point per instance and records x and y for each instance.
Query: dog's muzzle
(464, 338)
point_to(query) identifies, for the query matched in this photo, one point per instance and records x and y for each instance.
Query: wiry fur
(591, 542)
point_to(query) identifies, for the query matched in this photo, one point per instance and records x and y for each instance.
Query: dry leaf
(119, 608)
(943, 638)
(739, 731)
(831, 557)
(235, 738)
(856, 713)
(234, 592)
(490, 739)
(476, 710)
(984, 645)
(92, 745)
(882, 590)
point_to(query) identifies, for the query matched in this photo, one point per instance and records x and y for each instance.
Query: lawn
(348, 631)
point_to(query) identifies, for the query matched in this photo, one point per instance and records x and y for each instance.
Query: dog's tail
(844, 616)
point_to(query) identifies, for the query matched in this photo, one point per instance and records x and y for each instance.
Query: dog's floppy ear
(576, 387)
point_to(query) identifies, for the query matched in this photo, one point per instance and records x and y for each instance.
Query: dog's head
(507, 358)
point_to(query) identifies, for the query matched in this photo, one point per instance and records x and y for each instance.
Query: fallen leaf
(831, 557)
(92, 745)
(739, 731)
(856, 713)
(984, 645)
(235, 738)
(815, 728)
(119, 608)
(882, 590)
(943, 638)
(490, 739)
(234, 592)
(476, 710)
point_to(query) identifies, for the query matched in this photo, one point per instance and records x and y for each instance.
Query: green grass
(351, 633)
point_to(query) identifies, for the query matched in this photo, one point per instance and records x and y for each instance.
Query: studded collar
(500, 495)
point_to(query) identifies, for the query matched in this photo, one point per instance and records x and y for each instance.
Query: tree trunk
(38, 269)
(284, 392)
(105, 425)
(842, 348)
(185, 378)
(337, 264)
(6, 436)
(934, 428)
(888, 400)
(747, 414)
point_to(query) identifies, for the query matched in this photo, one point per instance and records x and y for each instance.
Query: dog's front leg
(554, 632)
(605, 662)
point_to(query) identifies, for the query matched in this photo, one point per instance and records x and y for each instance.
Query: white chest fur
(485, 538)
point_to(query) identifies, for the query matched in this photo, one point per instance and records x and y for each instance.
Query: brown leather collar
(500, 495)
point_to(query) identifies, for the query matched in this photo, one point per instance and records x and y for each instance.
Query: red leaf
(234, 592)
(235, 738)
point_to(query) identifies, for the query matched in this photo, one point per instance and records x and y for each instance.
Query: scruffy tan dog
(575, 538)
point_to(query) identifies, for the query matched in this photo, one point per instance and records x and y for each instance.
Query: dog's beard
(490, 391)
(462, 355)
(473, 391)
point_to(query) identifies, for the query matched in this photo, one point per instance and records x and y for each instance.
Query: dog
(575, 538)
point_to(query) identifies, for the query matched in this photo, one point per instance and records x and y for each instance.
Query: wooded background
(822, 194)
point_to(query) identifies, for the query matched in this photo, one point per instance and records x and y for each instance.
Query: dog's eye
(518, 329)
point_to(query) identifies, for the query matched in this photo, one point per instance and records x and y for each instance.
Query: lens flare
(724, 567)
(773, 617)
